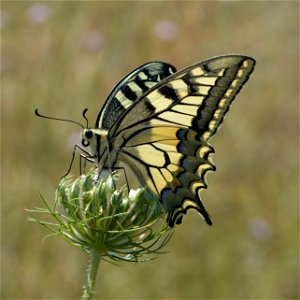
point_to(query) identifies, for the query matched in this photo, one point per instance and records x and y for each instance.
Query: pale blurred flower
(260, 229)
(166, 30)
(38, 13)
(74, 138)
(3, 19)
(92, 40)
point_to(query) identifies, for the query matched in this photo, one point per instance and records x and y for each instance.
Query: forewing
(197, 97)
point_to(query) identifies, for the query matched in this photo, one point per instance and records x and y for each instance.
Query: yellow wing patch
(193, 100)
(204, 80)
(145, 134)
(186, 109)
(149, 155)
(176, 118)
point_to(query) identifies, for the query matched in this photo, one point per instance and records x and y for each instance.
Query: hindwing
(172, 163)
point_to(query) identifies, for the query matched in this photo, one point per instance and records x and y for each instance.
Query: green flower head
(96, 214)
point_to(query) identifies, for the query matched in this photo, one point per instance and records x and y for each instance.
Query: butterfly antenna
(54, 118)
(84, 115)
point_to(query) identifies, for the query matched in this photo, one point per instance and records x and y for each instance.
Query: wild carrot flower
(107, 221)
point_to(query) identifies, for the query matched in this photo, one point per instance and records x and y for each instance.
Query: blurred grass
(65, 56)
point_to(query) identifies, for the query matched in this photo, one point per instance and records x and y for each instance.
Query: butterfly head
(87, 137)
(93, 139)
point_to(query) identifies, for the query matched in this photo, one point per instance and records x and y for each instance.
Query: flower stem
(88, 290)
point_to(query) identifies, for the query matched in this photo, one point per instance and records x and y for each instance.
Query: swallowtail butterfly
(159, 122)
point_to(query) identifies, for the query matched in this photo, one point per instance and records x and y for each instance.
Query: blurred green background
(64, 56)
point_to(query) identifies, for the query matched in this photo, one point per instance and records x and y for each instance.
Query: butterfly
(159, 121)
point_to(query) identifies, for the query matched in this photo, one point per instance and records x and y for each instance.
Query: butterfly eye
(89, 134)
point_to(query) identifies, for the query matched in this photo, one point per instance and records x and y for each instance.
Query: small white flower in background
(73, 139)
(3, 19)
(39, 13)
(260, 229)
(92, 40)
(166, 30)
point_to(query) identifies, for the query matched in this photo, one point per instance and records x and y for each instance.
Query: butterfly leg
(86, 156)
(126, 179)
(82, 162)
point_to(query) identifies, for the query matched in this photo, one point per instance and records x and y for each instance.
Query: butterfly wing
(164, 135)
(129, 89)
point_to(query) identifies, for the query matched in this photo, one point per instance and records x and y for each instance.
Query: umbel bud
(97, 215)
